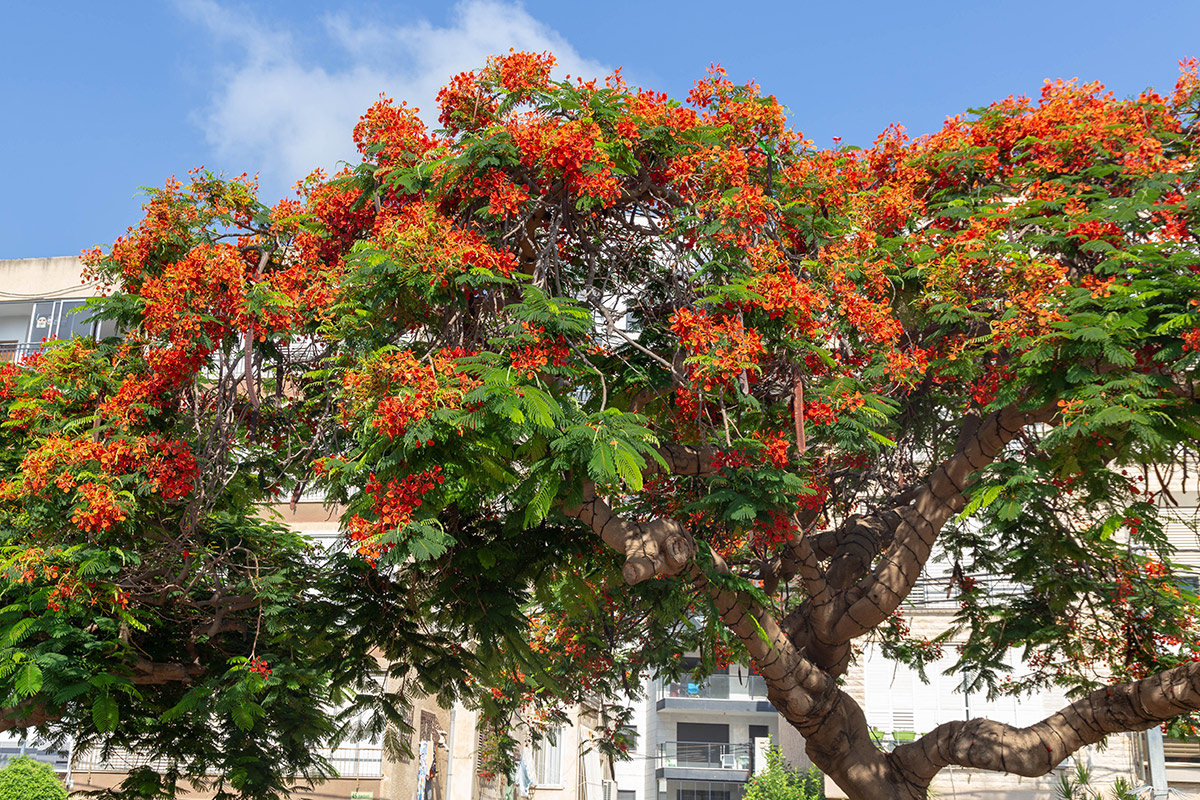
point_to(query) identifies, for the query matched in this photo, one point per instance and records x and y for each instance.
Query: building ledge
(732, 705)
(702, 774)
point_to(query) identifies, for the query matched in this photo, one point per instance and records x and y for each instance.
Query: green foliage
(25, 779)
(781, 781)
(475, 341)
(1076, 784)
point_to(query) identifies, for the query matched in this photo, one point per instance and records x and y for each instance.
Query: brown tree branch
(1039, 748)
(28, 714)
(916, 526)
(157, 672)
(32, 713)
(684, 459)
(659, 547)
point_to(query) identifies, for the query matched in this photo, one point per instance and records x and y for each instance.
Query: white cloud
(282, 113)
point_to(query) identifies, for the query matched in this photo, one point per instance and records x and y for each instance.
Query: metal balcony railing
(716, 687)
(12, 749)
(18, 352)
(944, 592)
(704, 755)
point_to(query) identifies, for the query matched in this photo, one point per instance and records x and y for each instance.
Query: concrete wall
(27, 279)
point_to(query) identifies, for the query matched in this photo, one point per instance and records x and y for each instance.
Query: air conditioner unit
(608, 790)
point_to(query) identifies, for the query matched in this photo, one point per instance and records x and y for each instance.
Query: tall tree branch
(916, 527)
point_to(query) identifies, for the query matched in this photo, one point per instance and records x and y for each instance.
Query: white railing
(704, 755)
(118, 760)
(356, 762)
(350, 762)
(944, 592)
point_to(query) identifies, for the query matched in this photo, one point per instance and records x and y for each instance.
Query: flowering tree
(596, 378)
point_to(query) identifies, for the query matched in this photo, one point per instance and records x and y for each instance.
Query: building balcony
(12, 352)
(704, 761)
(723, 693)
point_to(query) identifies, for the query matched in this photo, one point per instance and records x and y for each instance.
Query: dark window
(702, 732)
(702, 793)
(74, 320)
(626, 794)
(429, 727)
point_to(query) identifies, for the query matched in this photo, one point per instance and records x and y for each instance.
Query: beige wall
(332, 790)
(400, 777)
(43, 278)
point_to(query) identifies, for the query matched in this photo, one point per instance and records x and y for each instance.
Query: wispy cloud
(285, 106)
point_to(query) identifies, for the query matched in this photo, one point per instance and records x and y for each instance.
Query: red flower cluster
(722, 348)
(395, 390)
(394, 505)
(433, 245)
(530, 359)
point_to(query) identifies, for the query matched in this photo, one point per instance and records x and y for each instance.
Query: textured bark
(682, 459)
(876, 559)
(1039, 748)
(873, 562)
(31, 714)
(658, 547)
(25, 715)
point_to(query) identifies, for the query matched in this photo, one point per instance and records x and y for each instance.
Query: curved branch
(683, 459)
(658, 547)
(158, 672)
(915, 527)
(1039, 748)
(26, 715)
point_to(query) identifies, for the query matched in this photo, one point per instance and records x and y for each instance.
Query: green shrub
(781, 781)
(26, 779)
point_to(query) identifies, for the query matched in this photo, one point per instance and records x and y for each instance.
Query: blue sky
(102, 98)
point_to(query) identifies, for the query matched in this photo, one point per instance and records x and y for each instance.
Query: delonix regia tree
(596, 378)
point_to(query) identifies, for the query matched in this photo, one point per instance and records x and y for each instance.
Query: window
(60, 319)
(704, 790)
(630, 734)
(702, 732)
(547, 759)
(1181, 751)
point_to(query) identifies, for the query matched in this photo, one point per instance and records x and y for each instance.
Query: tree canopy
(596, 378)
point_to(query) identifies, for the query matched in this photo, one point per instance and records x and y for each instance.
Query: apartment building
(39, 300)
(701, 739)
